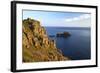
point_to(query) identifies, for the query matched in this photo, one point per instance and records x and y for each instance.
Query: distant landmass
(68, 27)
(36, 45)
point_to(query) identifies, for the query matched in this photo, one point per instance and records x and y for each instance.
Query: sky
(59, 19)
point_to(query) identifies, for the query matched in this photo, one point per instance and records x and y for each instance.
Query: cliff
(36, 46)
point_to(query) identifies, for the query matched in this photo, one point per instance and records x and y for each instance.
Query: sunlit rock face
(37, 46)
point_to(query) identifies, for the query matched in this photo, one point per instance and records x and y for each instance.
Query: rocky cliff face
(37, 46)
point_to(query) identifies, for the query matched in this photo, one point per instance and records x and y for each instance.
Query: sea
(77, 46)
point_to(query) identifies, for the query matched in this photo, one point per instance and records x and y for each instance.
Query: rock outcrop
(37, 47)
(63, 34)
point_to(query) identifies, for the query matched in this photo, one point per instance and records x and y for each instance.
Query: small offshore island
(37, 46)
(63, 34)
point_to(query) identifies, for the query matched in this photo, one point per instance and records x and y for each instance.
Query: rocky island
(36, 45)
(63, 34)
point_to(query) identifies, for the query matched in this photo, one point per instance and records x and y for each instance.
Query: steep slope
(37, 46)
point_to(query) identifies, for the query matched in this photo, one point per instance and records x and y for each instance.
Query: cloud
(81, 17)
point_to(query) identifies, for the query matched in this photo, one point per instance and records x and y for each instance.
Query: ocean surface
(77, 46)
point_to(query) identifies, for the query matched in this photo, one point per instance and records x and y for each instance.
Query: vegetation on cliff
(37, 46)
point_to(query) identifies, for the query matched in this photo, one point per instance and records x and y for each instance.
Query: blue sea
(77, 46)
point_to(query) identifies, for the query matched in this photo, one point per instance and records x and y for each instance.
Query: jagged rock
(37, 46)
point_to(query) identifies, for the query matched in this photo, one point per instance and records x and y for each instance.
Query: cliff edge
(36, 45)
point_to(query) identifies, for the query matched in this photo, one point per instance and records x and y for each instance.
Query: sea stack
(63, 34)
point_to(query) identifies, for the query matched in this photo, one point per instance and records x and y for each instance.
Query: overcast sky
(59, 19)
